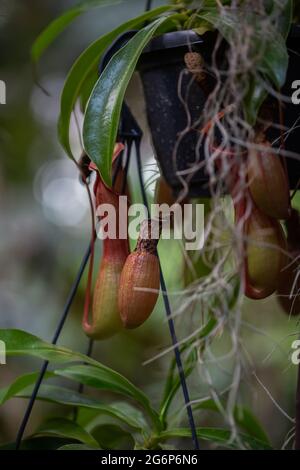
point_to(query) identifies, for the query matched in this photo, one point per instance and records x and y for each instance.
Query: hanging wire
(59, 328)
(129, 140)
(297, 439)
(169, 312)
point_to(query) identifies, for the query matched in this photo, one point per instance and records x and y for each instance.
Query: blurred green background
(45, 228)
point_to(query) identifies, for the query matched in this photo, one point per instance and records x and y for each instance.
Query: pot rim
(188, 37)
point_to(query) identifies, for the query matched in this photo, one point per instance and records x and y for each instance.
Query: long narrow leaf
(38, 443)
(285, 18)
(19, 385)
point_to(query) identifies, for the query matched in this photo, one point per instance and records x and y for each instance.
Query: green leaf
(61, 427)
(20, 343)
(110, 436)
(104, 107)
(87, 64)
(19, 385)
(53, 30)
(64, 396)
(243, 418)
(75, 447)
(38, 443)
(272, 61)
(275, 59)
(173, 384)
(106, 379)
(254, 98)
(226, 23)
(216, 435)
(173, 381)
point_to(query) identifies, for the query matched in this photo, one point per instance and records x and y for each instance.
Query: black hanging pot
(161, 68)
